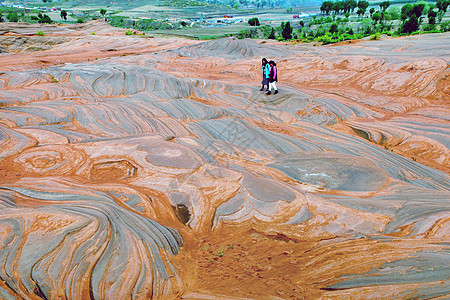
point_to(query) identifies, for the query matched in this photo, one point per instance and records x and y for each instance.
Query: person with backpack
(265, 74)
(273, 77)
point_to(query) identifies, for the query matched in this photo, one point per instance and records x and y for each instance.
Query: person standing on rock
(273, 77)
(265, 74)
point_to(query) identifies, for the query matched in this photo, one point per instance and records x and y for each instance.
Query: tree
(411, 25)
(406, 11)
(348, 5)
(418, 9)
(377, 17)
(326, 7)
(253, 21)
(442, 5)
(287, 31)
(432, 17)
(411, 16)
(272, 34)
(337, 7)
(372, 10)
(301, 23)
(63, 14)
(393, 13)
(289, 10)
(352, 4)
(345, 6)
(384, 5)
(362, 5)
(102, 11)
(1, 17)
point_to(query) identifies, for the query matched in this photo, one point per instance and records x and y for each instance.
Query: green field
(202, 33)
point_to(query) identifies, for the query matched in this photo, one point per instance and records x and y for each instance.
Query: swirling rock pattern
(108, 165)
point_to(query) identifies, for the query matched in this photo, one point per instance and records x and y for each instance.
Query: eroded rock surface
(112, 167)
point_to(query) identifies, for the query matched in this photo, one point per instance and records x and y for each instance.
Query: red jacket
(273, 74)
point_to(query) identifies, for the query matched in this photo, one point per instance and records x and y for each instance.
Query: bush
(143, 24)
(320, 32)
(329, 38)
(44, 19)
(445, 26)
(40, 33)
(80, 20)
(325, 39)
(345, 37)
(129, 32)
(375, 37)
(13, 17)
(247, 33)
(333, 28)
(429, 27)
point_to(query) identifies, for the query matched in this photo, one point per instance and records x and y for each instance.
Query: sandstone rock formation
(134, 168)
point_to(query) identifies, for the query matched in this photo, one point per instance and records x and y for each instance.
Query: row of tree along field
(347, 20)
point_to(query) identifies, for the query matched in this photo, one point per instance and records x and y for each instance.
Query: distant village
(229, 19)
(29, 8)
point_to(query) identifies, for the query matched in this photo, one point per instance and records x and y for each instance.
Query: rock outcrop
(110, 166)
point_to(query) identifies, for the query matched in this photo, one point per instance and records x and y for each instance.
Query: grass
(54, 79)
(204, 33)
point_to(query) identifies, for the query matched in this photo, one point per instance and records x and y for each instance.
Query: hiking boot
(268, 93)
(262, 89)
(276, 92)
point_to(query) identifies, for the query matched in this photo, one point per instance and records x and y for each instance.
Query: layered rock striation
(108, 165)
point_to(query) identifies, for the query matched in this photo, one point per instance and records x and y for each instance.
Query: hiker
(265, 74)
(273, 77)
